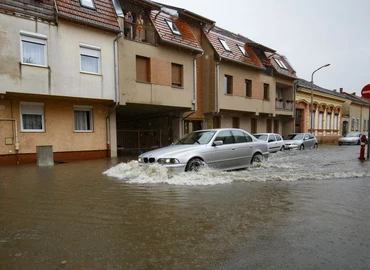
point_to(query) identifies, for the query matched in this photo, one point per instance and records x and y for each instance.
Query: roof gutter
(181, 45)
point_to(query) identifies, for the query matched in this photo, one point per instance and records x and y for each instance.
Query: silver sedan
(224, 149)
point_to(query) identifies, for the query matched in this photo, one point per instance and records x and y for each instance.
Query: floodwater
(298, 210)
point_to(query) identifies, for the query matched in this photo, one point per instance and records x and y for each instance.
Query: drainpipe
(295, 103)
(195, 90)
(116, 89)
(217, 85)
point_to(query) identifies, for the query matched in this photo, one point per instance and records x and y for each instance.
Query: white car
(224, 149)
(275, 141)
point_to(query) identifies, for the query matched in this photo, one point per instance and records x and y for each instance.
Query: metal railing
(144, 34)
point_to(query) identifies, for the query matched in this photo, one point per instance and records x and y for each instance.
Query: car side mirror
(217, 143)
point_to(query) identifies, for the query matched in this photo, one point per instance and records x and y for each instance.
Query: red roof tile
(187, 38)
(235, 54)
(103, 16)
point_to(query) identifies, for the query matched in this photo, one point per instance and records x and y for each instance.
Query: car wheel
(282, 148)
(257, 158)
(301, 147)
(315, 146)
(194, 164)
(340, 143)
(358, 142)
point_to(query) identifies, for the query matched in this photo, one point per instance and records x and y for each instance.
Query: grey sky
(310, 33)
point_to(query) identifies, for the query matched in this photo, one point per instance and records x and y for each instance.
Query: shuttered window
(142, 69)
(176, 75)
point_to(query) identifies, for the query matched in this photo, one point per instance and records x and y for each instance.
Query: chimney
(334, 90)
(341, 90)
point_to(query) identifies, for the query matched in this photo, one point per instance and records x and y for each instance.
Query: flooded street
(298, 210)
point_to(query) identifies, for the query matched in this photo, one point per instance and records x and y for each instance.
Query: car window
(278, 137)
(306, 137)
(201, 137)
(294, 137)
(240, 136)
(225, 136)
(262, 137)
(311, 136)
(271, 138)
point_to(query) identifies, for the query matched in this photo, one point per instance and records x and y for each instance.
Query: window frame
(180, 68)
(93, 52)
(35, 38)
(248, 90)
(80, 108)
(266, 91)
(228, 84)
(34, 108)
(173, 27)
(147, 70)
(88, 4)
(244, 52)
(224, 44)
(280, 63)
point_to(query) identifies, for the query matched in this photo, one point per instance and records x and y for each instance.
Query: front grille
(149, 160)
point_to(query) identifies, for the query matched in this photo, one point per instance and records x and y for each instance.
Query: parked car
(224, 149)
(300, 141)
(274, 141)
(351, 138)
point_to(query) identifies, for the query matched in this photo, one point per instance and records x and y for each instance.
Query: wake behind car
(300, 141)
(274, 141)
(224, 149)
(351, 138)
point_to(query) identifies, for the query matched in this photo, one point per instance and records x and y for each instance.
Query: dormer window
(241, 48)
(280, 63)
(224, 44)
(87, 3)
(173, 28)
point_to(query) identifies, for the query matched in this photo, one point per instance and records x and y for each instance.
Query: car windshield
(197, 137)
(352, 134)
(294, 137)
(262, 137)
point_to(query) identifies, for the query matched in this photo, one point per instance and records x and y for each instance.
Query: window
(90, 58)
(177, 75)
(241, 137)
(248, 88)
(236, 122)
(87, 3)
(241, 48)
(33, 47)
(224, 44)
(266, 90)
(142, 69)
(364, 127)
(82, 118)
(357, 124)
(173, 28)
(228, 84)
(353, 124)
(280, 63)
(321, 119)
(225, 136)
(328, 121)
(32, 116)
(335, 121)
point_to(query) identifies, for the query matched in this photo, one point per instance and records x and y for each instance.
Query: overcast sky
(309, 33)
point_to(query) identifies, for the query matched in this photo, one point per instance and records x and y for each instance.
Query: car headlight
(140, 160)
(168, 160)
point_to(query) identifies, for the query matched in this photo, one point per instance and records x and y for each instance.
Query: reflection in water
(108, 214)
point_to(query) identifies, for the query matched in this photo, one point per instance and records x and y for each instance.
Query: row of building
(76, 76)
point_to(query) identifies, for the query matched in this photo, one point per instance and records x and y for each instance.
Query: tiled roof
(306, 84)
(187, 38)
(232, 41)
(103, 16)
(39, 9)
(275, 59)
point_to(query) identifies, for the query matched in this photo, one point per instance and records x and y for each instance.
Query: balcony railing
(144, 34)
(286, 105)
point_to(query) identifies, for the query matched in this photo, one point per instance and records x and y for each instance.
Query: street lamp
(311, 125)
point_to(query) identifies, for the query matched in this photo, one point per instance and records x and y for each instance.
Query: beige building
(57, 79)
(327, 113)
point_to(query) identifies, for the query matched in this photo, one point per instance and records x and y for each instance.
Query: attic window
(224, 44)
(87, 3)
(173, 28)
(280, 63)
(243, 51)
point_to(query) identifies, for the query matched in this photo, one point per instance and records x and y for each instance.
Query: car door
(223, 156)
(272, 143)
(243, 148)
(279, 141)
(307, 142)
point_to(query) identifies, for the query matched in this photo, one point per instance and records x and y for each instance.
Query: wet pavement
(298, 210)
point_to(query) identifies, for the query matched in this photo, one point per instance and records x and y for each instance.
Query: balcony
(144, 34)
(284, 105)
